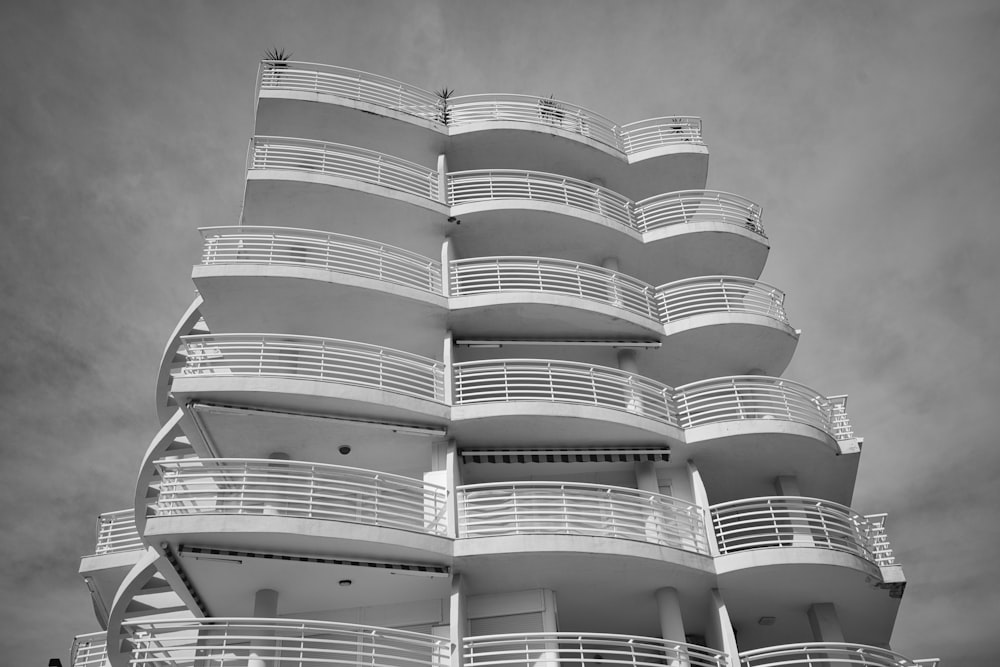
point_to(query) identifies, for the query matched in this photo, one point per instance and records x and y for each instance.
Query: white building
(486, 381)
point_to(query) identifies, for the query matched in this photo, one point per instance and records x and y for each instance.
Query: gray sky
(867, 130)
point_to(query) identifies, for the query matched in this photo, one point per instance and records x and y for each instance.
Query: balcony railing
(664, 210)
(791, 521)
(719, 294)
(828, 654)
(469, 187)
(507, 380)
(557, 508)
(644, 135)
(116, 532)
(750, 397)
(297, 489)
(693, 206)
(484, 275)
(285, 642)
(352, 85)
(283, 246)
(396, 96)
(340, 160)
(585, 650)
(548, 112)
(90, 650)
(313, 358)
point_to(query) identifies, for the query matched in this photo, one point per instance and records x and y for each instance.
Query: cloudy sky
(868, 131)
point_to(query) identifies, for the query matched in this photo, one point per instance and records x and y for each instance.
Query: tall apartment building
(486, 381)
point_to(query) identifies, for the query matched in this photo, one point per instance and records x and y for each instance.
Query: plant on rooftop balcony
(275, 60)
(444, 112)
(550, 111)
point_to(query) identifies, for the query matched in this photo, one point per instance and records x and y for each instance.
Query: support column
(627, 362)
(550, 624)
(825, 623)
(700, 497)
(274, 506)
(447, 255)
(611, 264)
(454, 480)
(442, 176)
(796, 530)
(449, 372)
(672, 625)
(457, 621)
(265, 605)
(719, 634)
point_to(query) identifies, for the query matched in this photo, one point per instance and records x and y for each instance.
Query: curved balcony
(323, 492)
(711, 232)
(558, 508)
(722, 325)
(494, 296)
(574, 648)
(306, 280)
(366, 187)
(557, 402)
(116, 532)
(789, 521)
(310, 373)
(291, 642)
(89, 650)
(339, 85)
(828, 654)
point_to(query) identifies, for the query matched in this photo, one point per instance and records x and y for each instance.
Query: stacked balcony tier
(505, 131)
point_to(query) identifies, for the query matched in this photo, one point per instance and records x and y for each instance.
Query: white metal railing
(793, 521)
(828, 654)
(664, 210)
(352, 85)
(571, 649)
(548, 112)
(509, 380)
(545, 508)
(286, 246)
(719, 294)
(286, 642)
(359, 164)
(116, 532)
(841, 423)
(482, 275)
(691, 206)
(753, 397)
(468, 187)
(313, 358)
(299, 489)
(90, 650)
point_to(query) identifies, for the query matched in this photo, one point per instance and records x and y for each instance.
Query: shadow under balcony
(252, 641)
(307, 282)
(313, 375)
(744, 431)
(304, 527)
(794, 552)
(533, 402)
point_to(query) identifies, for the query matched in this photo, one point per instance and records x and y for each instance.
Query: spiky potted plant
(444, 109)
(275, 60)
(550, 111)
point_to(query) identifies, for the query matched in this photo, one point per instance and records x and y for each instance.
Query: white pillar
(454, 480)
(550, 624)
(719, 634)
(627, 363)
(265, 605)
(447, 255)
(788, 485)
(672, 625)
(449, 373)
(700, 497)
(457, 621)
(825, 623)
(442, 175)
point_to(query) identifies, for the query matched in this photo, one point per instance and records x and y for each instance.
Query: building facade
(486, 381)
